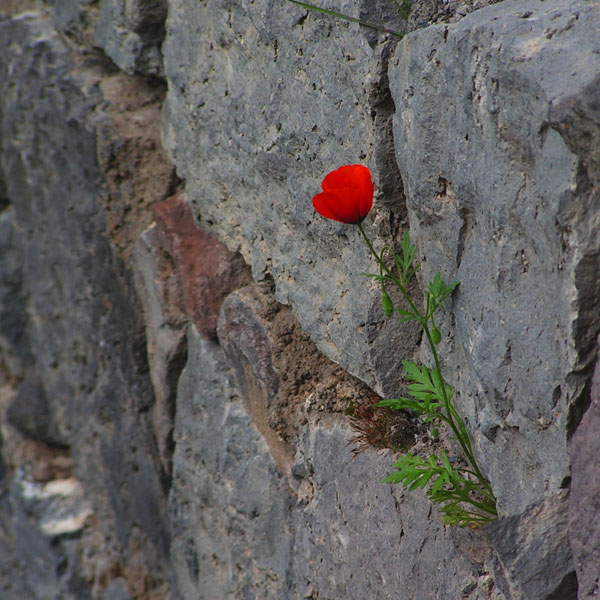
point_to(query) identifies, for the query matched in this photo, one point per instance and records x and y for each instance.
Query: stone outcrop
(190, 356)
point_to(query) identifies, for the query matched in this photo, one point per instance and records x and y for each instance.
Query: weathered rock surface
(229, 507)
(83, 324)
(331, 530)
(264, 100)
(242, 478)
(501, 196)
(206, 270)
(130, 32)
(534, 552)
(584, 497)
(499, 201)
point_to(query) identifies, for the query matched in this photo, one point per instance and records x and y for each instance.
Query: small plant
(380, 427)
(463, 493)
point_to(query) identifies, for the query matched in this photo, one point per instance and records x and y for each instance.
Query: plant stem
(453, 418)
(333, 13)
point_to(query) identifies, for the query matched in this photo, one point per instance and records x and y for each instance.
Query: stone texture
(30, 412)
(265, 99)
(534, 552)
(359, 538)
(584, 497)
(45, 521)
(497, 137)
(330, 530)
(131, 33)
(160, 294)
(207, 271)
(277, 368)
(500, 198)
(14, 339)
(229, 507)
(83, 321)
(136, 169)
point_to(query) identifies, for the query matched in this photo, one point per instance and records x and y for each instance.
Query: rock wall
(182, 339)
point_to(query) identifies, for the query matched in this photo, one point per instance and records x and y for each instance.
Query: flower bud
(386, 303)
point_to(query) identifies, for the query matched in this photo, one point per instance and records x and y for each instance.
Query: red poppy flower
(347, 195)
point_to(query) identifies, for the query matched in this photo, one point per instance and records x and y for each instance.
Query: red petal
(347, 194)
(340, 205)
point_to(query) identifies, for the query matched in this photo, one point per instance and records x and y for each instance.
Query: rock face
(85, 333)
(180, 353)
(585, 494)
(253, 149)
(501, 196)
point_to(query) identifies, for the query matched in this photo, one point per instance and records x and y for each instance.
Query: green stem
(333, 13)
(454, 419)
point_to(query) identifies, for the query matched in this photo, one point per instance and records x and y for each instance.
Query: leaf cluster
(465, 496)
(464, 502)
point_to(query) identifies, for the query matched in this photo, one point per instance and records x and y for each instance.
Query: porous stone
(264, 100)
(499, 189)
(357, 537)
(330, 530)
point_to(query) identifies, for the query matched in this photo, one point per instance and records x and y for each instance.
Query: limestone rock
(264, 100)
(499, 199)
(229, 506)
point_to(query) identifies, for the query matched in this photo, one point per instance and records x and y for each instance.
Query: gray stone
(499, 200)
(15, 345)
(30, 412)
(584, 497)
(264, 100)
(229, 504)
(357, 537)
(240, 530)
(131, 33)
(84, 322)
(534, 552)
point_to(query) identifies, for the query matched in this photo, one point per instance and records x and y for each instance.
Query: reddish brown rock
(136, 169)
(207, 271)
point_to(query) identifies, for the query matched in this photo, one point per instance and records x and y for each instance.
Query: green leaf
(406, 315)
(439, 291)
(386, 303)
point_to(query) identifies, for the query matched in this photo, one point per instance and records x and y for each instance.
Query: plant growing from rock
(463, 493)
